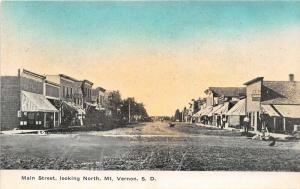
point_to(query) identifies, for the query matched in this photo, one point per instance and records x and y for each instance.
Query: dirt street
(149, 146)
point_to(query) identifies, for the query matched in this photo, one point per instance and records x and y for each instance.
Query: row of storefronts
(271, 105)
(34, 101)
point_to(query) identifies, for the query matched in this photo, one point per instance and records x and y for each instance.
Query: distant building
(274, 103)
(218, 95)
(86, 87)
(98, 97)
(218, 101)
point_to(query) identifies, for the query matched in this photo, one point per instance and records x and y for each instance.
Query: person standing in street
(246, 125)
(264, 128)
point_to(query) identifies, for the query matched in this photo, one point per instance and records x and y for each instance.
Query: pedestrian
(264, 128)
(246, 125)
(223, 122)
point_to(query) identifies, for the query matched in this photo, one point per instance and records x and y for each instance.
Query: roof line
(68, 77)
(34, 74)
(254, 80)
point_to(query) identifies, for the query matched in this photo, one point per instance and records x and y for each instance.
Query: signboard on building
(256, 95)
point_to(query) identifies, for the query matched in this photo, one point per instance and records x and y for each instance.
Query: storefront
(280, 118)
(72, 114)
(36, 112)
(236, 114)
(204, 115)
(220, 114)
(213, 116)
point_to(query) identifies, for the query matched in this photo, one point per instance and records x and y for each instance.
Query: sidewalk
(211, 126)
(275, 135)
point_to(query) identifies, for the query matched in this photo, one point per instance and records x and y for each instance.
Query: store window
(30, 117)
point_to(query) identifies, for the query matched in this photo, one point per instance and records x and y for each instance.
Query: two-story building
(98, 97)
(51, 92)
(219, 95)
(24, 104)
(70, 98)
(86, 87)
(274, 103)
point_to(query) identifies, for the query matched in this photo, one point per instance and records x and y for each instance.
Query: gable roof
(281, 92)
(228, 91)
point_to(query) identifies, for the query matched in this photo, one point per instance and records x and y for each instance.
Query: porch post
(274, 124)
(59, 116)
(255, 120)
(284, 124)
(54, 119)
(45, 114)
(252, 120)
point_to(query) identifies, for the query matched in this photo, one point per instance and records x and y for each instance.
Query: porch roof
(224, 109)
(268, 109)
(238, 109)
(33, 102)
(291, 111)
(214, 110)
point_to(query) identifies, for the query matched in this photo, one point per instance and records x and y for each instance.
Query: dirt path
(150, 128)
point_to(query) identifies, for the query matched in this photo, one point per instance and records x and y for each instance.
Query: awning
(268, 109)
(200, 112)
(224, 109)
(238, 109)
(206, 110)
(292, 111)
(78, 109)
(197, 114)
(214, 110)
(33, 102)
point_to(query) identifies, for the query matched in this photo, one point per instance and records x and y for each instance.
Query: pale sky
(163, 53)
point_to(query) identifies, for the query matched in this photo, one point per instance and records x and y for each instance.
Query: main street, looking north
(149, 146)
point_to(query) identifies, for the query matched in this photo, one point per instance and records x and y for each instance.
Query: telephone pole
(128, 110)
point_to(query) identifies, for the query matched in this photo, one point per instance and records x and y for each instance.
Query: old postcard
(150, 94)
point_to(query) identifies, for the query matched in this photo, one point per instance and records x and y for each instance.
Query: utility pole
(128, 110)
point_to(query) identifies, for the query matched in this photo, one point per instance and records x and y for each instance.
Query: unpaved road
(150, 146)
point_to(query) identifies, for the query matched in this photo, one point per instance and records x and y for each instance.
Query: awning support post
(274, 124)
(45, 114)
(54, 119)
(284, 124)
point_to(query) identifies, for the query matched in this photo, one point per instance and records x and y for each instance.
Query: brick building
(23, 102)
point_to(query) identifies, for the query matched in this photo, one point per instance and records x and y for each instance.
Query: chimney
(291, 77)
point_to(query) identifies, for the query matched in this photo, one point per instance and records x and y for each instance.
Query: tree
(113, 102)
(137, 110)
